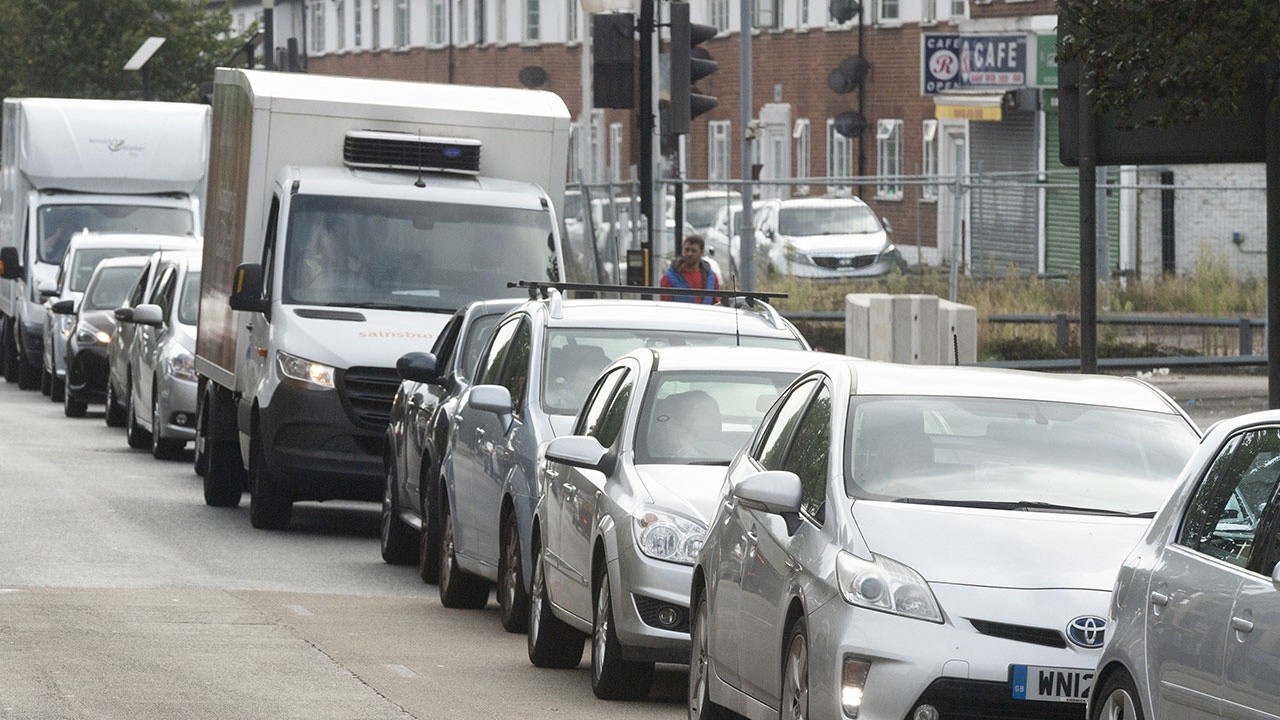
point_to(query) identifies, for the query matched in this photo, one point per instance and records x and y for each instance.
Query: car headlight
(663, 536)
(87, 334)
(886, 585)
(307, 374)
(888, 249)
(181, 365)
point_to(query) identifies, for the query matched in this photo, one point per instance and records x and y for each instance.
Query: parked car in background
(92, 325)
(829, 237)
(530, 382)
(1195, 615)
(906, 541)
(625, 500)
(421, 413)
(702, 206)
(160, 380)
(83, 253)
(724, 237)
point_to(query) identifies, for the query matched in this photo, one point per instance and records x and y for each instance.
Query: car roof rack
(754, 300)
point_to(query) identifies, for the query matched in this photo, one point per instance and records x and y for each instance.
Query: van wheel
(201, 463)
(552, 642)
(513, 599)
(396, 540)
(9, 351)
(114, 415)
(613, 677)
(138, 438)
(459, 589)
(270, 507)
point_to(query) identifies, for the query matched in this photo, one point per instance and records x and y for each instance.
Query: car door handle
(551, 474)
(752, 539)
(793, 565)
(479, 433)
(249, 327)
(1159, 598)
(1240, 624)
(570, 490)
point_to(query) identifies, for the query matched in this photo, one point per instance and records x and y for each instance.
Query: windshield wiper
(723, 463)
(390, 306)
(1024, 506)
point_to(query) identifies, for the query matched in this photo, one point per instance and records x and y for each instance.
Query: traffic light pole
(746, 240)
(646, 118)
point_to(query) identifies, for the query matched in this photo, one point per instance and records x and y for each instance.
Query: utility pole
(646, 35)
(746, 231)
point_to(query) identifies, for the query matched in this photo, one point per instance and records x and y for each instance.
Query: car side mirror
(495, 399)
(48, 290)
(10, 269)
(888, 226)
(63, 307)
(419, 367)
(246, 289)
(123, 314)
(580, 451)
(776, 492)
(150, 315)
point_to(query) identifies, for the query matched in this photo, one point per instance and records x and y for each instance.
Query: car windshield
(410, 254)
(1014, 454)
(111, 287)
(189, 302)
(701, 212)
(703, 417)
(86, 259)
(827, 220)
(473, 344)
(575, 357)
(57, 223)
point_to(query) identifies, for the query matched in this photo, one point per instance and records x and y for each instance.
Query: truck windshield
(57, 223)
(409, 254)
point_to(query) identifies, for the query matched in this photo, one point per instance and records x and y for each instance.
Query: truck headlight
(886, 585)
(663, 536)
(304, 373)
(87, 334)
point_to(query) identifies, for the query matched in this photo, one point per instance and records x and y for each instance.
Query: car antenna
(419, 183)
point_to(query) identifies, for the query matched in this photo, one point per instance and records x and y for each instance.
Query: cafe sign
(972, 62)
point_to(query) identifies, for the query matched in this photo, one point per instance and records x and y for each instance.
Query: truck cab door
(258, 350)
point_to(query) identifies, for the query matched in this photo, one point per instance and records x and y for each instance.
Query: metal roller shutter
(1003, 206)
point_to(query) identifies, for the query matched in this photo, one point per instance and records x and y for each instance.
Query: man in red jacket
(691, 271)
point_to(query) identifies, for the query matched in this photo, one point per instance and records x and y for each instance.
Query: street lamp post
(139, 62)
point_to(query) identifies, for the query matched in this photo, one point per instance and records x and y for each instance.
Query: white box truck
(68, 165)
(347, 219)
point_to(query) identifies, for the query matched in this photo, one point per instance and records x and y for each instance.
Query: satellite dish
(850, 124)
(848, 75)
(842, 11)
(533, 76)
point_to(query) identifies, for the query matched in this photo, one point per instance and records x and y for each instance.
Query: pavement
(1209, 397)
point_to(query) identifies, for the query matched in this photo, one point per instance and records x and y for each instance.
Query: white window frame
(804, 14)
(929, 164)
(437, 22)
(317, 27)
(929, 12)
(839, 160)
(572, 34)
(889, 159)
(767, 14)
(340, 24)
(616, 157)
(462, 23)
(719, 133)
(357, 24)
(532, 21)
(887, 13)
(375, 21)
(500, 22)
(479, 32)
(718, 15)
(802, 138)
(959, 10)
(400, 24)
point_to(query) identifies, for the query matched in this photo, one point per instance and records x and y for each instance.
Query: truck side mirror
(63, 307)
(10, 268)
(48, 290)
(148, 314)
(246, 292)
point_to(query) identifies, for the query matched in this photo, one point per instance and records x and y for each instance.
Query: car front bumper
(87, 374)
(647, 589)
(176, 408)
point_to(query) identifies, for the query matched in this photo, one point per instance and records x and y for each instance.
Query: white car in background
(829, 237)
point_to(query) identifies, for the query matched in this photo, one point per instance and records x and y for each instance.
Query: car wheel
(459, 589)
(700, 705)
(795, 674)
(57, 389)
(1117, 699)
(395, 538)
(270, 507)
(552, 642)
(513, 599)
(137, 438)
(162, 448)
(429, 538)
(28, 374)
(10, 352)
(71, 407)
(114, 415)
(46, 382)
(613, 677)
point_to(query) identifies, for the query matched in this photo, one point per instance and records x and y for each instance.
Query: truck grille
(404, 151)
(367, 394)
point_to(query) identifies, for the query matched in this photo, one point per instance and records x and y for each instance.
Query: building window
(801, 137)
(889, 159)
(375, 19)
(340, 19)
(532, 20)
(719, 14)
(929, 168)
(357, 24)
(959, 10)
(839, 159)
(768, 14)
(718, 150)
(437, 19)
(929, 12)
(401, 23)
(481, 36)
(803, 17)
(317, 26)
(571, 21)
(500, 22)
(888, 12)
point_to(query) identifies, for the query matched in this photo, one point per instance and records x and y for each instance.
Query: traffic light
(689, 64)
(613, 68)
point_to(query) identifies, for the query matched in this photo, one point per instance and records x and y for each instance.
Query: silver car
(531, 380)
(625, 503)
(830, 237)
(906, 541)
(1196, 607)
(160, 404)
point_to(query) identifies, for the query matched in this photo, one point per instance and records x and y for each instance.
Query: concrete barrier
(913, 329)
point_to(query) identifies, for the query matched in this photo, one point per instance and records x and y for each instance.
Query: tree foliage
(1194, 54)
(78, 48)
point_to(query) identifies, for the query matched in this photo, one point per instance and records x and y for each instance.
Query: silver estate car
(160, 405)
(924, 542)
(1196, 609)
(531, 379)
(625, 502)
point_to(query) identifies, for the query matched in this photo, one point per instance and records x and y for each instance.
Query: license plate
(1053, 684)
